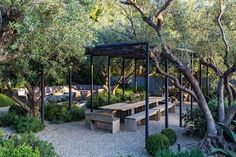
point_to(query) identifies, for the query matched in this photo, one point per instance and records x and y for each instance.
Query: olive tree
(45, 32)
(205, 13)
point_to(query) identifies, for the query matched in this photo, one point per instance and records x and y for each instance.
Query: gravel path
(75, 140)
(4, 109)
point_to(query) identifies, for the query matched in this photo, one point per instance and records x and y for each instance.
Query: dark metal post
(207, 83)
(109, 79)
(147, 94)
(123, 74)
(181, 98)
(70, 86)
(135, 75)
(42, 93)
(91, 87)
(166, 94)
(200, 73)
(191, 85)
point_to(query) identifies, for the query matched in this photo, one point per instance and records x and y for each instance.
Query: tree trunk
(10, 93)
(220, 100)
(33, 99)
(230, 115)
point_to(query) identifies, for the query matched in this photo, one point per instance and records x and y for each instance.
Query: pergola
(137, 51)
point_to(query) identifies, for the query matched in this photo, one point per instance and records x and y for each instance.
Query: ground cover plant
(187, 153)
(25, 145)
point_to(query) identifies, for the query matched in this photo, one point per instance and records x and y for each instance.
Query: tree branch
(171, 77)
(6, 59)
(163, 8)
(213, 67)
(131, 21)
(227, 51)
(227, 75)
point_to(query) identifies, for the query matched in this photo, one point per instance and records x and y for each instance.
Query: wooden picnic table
(124, 106)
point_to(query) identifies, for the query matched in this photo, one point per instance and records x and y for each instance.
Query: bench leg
(115, 126)
(87, 123)
(162, 113)
(155, 117)
(130, 124)
(92, 125)
(158, 115)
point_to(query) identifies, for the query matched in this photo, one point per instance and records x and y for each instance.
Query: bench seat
(132, 121)
(155, 113)
(161, 108)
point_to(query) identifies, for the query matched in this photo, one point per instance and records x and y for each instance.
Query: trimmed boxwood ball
(157, 142)
(170, 134)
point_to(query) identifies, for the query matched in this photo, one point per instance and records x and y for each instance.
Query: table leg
(132, 111)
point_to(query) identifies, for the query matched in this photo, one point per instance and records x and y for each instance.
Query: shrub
(5, 101)
(46, 149)
(56, 113)
(1, 134)
(8, 119)
(164, 153)
(21, 124)
(170, 134)
(169, 153)
(27, 124)
(77, 113)
(59, 113)
(32, 143)
(157, 142)
(17, 110)
(7, 149)
(195, 123)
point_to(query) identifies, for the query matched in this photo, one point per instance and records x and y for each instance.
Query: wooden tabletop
(124, 106)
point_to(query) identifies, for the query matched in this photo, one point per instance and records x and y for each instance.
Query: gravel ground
(4, 109)
(75, 140)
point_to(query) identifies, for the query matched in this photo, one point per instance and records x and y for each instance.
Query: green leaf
(234, 121)
(229, 132)
(222, 151)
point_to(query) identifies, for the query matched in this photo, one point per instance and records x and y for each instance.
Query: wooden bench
(155, 113)
(161, 108)
(132, 121)
(97, 120)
